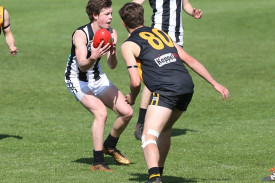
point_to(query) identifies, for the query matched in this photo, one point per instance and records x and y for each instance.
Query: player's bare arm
(129, 52)
(196, 66)
(8, 34)
(188, 8)
(112, 54)
(79, 40)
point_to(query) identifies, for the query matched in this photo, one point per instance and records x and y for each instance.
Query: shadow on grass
(212, 180)
(3, 136)
(88, 161)
(139, 177)
(109, 160)
(177, 131)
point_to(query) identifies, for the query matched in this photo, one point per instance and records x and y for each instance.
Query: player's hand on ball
(98, 52)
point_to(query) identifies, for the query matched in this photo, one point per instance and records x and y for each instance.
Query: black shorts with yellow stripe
(179, 102)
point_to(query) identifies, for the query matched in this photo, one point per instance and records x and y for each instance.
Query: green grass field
(45, 133)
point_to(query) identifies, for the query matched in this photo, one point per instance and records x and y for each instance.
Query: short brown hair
(95, 6)
(132, 15)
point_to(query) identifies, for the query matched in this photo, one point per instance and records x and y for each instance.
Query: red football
(102, 34)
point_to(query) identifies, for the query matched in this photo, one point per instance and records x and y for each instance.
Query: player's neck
(132, 30)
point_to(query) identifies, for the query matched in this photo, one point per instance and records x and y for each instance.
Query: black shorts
(179, 102)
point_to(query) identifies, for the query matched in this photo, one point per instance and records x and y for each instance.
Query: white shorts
(78, 88)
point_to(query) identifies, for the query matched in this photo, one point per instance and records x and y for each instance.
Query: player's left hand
(222, 90)
(113, 47)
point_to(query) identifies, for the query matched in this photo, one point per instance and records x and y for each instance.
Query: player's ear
(123, 23)
(95, 17)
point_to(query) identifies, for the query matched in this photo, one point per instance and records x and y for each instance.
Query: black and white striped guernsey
(167, 16)
(72, 69)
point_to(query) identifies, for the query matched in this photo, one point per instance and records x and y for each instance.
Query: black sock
(98, 157)
(161, 170)
(154, 172)
(141, 116)
(110, 142)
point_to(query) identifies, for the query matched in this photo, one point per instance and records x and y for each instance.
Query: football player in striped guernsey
(87, 82)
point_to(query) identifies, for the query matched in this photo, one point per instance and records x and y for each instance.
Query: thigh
(173, 118)
(93, 104)
(157, 117)
(86, 96)
(162, 113)
(145, 97)
(115, 100)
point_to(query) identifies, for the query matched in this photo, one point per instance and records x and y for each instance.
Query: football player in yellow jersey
(167, 16)
(162, 63)
(5, 25)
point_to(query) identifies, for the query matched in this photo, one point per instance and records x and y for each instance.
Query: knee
(100, 115)
(130, 113)
(149, 137)
(127, 115)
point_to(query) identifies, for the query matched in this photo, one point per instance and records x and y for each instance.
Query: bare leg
(115, 100)
(99, 111)
(145, 98)
(164, 140)
(144, 102)
(156, 119)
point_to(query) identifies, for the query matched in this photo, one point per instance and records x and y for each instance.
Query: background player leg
(144, 102)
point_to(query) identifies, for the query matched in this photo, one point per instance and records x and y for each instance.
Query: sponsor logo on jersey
(167, 58)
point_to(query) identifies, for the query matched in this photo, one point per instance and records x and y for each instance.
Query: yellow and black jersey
(161, 69)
